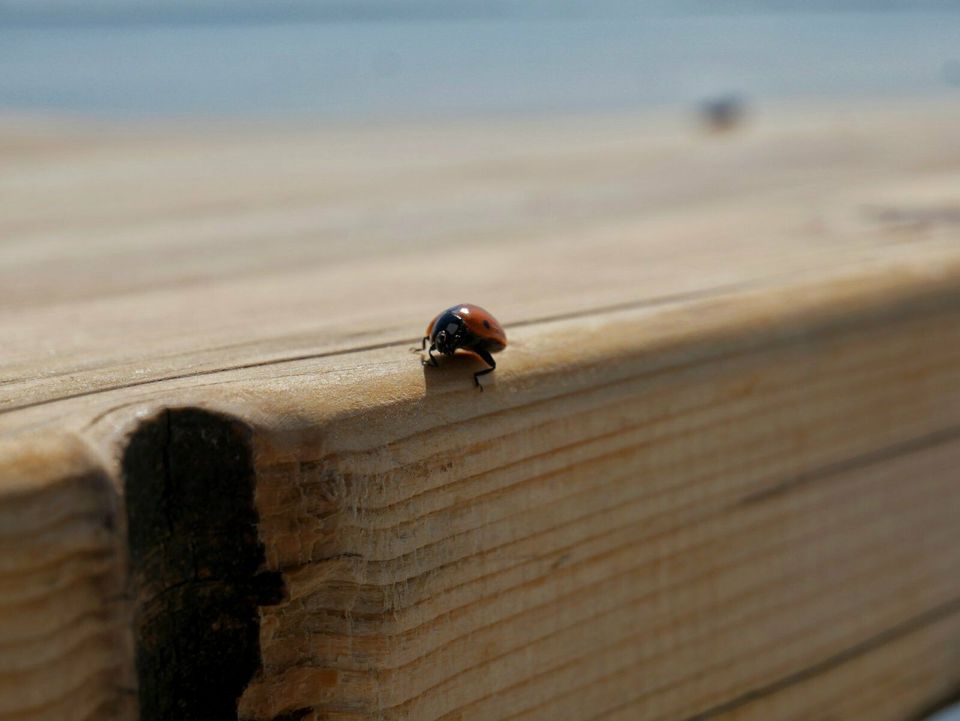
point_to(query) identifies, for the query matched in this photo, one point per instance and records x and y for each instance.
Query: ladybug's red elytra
(469, 327)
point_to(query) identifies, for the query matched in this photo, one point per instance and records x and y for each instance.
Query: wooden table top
(137, 261)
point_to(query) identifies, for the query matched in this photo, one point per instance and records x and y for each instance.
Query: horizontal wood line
(195, 374)
(864, 460)
(830, 470)
(30, 590)
(770, 400)
(53, 502)
(600, 310)
(635, 569)
(73, 557)
(95, 688)
(681, 580)
(74, 613)
(99, 637)
(763, 521)
(795, 634)
(92, 545)
(673, 685)
(768, 551)
(912, 625)
(343, 458)
(60, 536)
(625, 503)
(905, 315)
(841, 695)
(608, 532)
(633, 638)
(774, 401)
(915, 304)
(101, 622)
(624, 677)
(857, 371)
(632, 669)
(83, 684)
(853, 464)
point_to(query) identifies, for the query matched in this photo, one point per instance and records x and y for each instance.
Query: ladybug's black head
(449, 332)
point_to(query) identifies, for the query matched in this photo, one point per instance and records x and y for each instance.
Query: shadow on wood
(195, 561)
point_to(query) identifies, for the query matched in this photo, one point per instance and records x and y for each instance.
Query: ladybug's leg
(423, 345)
(488, 359)
(432, 361)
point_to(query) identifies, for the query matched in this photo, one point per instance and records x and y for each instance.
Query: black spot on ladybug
(486, 324)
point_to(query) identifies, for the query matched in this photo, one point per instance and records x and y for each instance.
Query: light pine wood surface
(714, 475)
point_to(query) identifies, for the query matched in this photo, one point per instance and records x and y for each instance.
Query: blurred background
(346, 59)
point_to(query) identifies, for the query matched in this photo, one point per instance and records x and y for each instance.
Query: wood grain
(65, 652)
(713, 477)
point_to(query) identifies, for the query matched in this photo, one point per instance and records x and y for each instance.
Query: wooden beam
(713, 476)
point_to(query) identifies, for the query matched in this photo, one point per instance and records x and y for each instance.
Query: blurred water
(424, 64)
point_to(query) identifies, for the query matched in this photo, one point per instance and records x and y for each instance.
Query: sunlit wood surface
(713, 476)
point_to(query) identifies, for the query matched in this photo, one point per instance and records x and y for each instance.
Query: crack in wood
(870, 458)
(912, 625)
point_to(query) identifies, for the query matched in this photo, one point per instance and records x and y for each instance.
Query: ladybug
(469, 327)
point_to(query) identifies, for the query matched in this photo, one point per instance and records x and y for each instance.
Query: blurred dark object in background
(723, 113)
